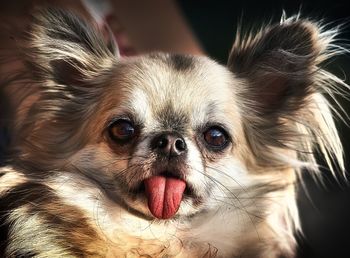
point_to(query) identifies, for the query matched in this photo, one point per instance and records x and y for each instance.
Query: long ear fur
(65, 49)
(71, 64)
(283, 93)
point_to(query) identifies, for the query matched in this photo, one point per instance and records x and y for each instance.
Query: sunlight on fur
(165, 155)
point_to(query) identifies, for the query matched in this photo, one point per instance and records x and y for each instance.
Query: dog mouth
(164, 194)
(188, 193)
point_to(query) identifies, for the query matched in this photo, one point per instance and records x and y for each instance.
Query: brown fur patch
(73, 232)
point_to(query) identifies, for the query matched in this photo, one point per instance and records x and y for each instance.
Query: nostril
(169, 144)
(180, 144)
(162, 143)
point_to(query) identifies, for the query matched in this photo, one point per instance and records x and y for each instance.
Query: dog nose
(169, 144)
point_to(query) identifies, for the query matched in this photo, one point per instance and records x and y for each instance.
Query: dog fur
(69, 190)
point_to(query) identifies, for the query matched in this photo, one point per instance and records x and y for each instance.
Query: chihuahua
(165, 155)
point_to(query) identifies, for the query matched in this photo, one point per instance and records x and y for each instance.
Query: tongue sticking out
(164, 195)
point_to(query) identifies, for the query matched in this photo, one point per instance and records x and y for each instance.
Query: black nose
(169, 144)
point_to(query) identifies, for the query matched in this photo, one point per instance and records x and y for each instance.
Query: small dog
(165, 155)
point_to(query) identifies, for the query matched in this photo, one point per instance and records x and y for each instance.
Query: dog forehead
(175, 88)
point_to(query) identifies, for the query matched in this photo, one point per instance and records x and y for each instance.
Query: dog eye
(121, 131)
(216, 138)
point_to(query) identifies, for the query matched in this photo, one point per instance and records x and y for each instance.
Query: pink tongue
(164, 195)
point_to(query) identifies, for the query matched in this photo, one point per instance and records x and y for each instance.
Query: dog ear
(279, 63)
(281, 90)
(66, 50)
(68, 64)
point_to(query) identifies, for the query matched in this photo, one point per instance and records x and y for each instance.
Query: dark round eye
(216, 138)
(121, 131)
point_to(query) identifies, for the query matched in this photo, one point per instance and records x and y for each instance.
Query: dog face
(167, 135)
(167, 116)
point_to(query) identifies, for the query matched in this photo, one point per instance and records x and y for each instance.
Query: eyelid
(116, 118)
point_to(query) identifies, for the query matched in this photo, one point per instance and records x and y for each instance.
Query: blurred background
(325, 211)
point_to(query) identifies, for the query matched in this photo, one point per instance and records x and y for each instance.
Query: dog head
(170, 135)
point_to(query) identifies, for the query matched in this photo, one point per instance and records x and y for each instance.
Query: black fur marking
(65, 73)
(173, 120)
(181, 62)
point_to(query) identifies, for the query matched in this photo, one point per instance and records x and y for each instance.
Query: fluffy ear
(282, 89)
(279, 62)
(66, 50)
(69, 64)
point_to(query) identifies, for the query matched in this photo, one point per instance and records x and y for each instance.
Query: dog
(165, 155)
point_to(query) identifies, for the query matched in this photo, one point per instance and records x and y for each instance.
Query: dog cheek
(139, 165)
(196, 173)
(97, 162)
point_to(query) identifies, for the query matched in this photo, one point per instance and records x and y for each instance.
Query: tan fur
(243, 202)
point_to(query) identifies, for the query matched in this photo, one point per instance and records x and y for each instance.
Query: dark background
(325, 215)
